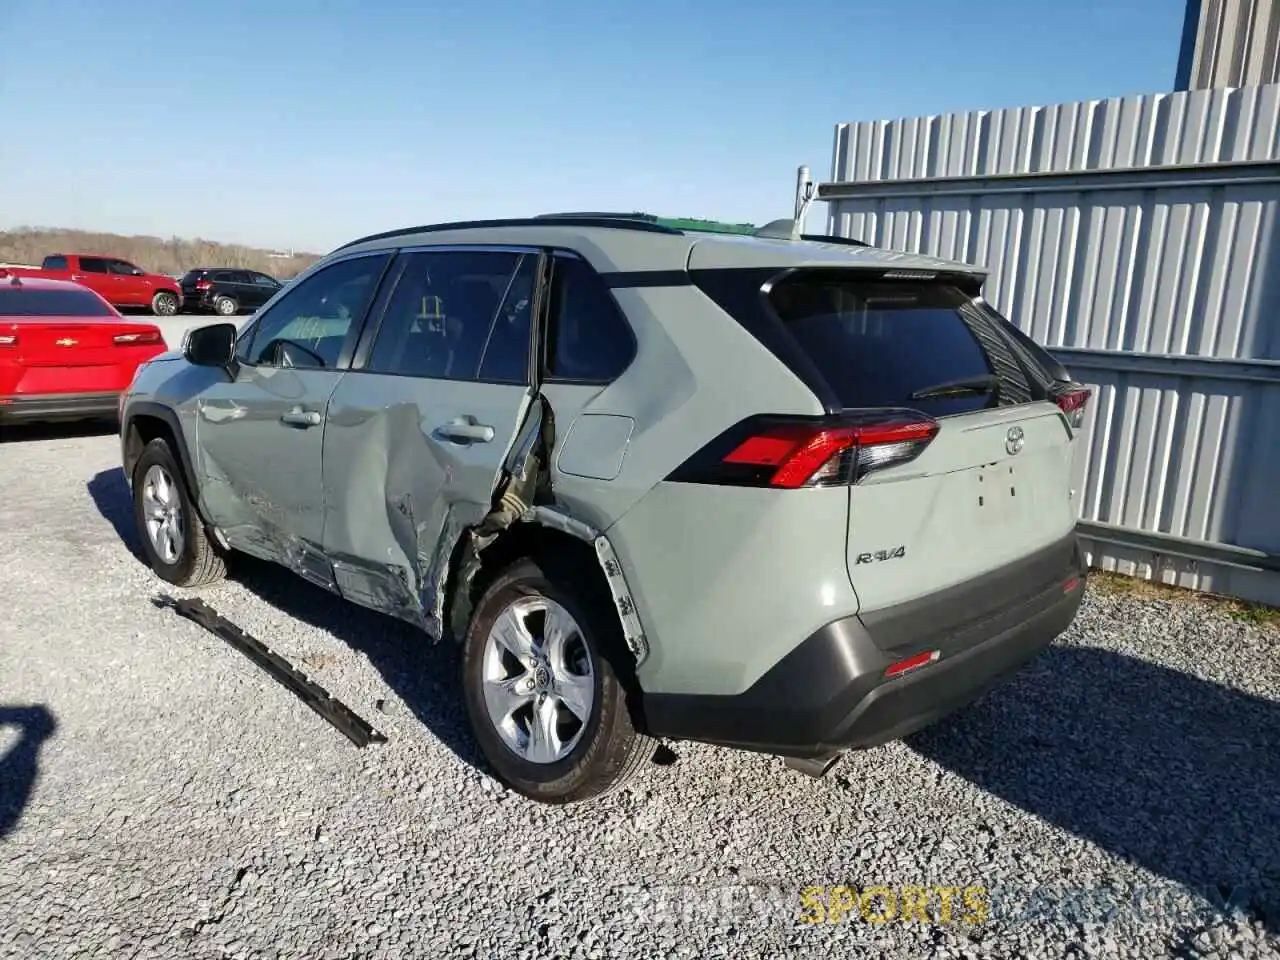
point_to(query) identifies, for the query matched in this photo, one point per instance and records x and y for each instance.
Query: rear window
(881, 342)
(20, 302)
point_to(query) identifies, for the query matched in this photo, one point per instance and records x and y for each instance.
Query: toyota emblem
(1013, 440)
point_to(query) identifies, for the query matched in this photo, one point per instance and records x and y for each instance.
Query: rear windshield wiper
(986, 383)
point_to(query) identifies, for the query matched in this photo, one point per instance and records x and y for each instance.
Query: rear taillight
(8, 339)
(137, 338)
(204, 284)
(790, 452)
(1072, 400)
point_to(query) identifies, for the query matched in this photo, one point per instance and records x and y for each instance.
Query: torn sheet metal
(632, 630)
(524, 474)
(347, 722)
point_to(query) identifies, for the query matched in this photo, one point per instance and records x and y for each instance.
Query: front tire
(539, 674)
(164, 304)
(225, 307)
(172, 534)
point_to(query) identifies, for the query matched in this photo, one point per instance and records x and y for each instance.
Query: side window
(121, 268)
(55, 263)
(308, 327)
(453, 309)
(239, 276)
(262, 280)
(93, 265)
(588, 339)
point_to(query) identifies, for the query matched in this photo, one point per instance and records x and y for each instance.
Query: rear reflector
(1071, 585)
(1072, 400)
(137, 338)
(796, 455)
(912, 663)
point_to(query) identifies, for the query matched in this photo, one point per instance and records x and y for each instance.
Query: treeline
(30, 245)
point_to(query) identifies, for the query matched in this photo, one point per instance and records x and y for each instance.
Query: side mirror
(211, 346)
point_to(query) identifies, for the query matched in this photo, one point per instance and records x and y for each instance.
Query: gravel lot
(161, 797)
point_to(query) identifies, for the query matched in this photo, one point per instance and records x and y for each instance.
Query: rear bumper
(196, 303)
(59, 406)
(831, 694)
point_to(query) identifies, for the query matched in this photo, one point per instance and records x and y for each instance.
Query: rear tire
(225, 307)
(586, 759)
(164, 304)
(172, 533)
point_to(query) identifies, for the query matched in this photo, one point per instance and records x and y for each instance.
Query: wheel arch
(146, 421)
(543, 533)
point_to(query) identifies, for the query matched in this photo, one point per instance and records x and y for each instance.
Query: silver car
(788, 494)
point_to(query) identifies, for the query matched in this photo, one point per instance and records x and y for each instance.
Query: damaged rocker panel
(350, 724)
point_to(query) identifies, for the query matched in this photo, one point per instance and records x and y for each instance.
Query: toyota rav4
(784, 493)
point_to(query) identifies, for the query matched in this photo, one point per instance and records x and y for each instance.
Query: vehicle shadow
(111, 496)
(422, 672)
(19, 766)
(1176, 774)
(69, 430)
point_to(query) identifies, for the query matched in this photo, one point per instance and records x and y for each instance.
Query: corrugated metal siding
(1233, 43)
(1137, 238)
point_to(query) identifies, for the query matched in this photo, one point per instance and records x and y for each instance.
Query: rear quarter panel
(725, 579)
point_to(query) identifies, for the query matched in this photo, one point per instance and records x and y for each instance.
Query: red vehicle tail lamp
(815, 455)
(137, 339)
(1072, 401)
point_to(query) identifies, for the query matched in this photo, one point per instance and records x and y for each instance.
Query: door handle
(463, 431)
(297, 417)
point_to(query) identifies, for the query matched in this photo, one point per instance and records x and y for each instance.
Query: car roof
(624, 244)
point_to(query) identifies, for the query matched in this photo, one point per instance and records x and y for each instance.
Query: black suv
(226, 291)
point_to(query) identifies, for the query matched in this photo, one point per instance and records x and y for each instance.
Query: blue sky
(284, 123)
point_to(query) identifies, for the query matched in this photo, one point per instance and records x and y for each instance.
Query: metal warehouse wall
(1229, 43)
(1137, 238)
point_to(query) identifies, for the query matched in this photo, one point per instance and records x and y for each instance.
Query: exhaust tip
(815, 767)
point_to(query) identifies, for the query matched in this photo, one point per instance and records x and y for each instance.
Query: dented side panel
(260, 477)
(399, 493)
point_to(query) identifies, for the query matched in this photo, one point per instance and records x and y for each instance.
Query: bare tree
(172, 256)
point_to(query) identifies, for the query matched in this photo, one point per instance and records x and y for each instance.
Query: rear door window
(885, 343)
(455, 311)
(93, 265)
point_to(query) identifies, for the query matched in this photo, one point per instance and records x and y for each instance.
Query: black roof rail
(607, 221)
(599, 215)
(824, 238)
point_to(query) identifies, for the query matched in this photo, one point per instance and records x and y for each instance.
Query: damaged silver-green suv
(788, 494)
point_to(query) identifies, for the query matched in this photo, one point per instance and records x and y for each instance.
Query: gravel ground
(160, 797)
